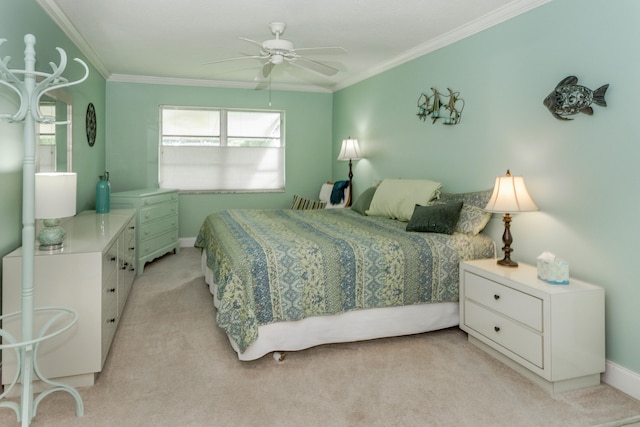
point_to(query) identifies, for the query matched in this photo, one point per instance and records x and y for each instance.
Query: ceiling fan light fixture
(277, 59)
(277, 44)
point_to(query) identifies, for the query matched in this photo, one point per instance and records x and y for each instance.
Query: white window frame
(222, 168)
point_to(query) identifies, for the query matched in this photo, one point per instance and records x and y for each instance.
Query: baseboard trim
(187, 242)
(622, 378)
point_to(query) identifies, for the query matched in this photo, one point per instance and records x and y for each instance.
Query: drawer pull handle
(496, 328)
(113, 320)
(110, 290)
(496, 297)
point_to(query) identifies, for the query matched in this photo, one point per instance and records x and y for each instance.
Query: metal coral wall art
(430, 105)
(570, 98)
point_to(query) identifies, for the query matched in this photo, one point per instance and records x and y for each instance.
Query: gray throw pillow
(435, 218)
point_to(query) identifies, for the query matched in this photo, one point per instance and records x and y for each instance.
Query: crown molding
(56, 14)
(511, 10)
(502, 14)
(127, 78)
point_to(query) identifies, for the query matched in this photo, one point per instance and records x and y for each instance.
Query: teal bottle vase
(103, 194)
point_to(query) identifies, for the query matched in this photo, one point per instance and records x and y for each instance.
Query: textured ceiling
(151, 40)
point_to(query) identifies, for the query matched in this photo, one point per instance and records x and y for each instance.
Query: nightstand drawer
(509, 334)
(517, 305)
(159, 227)
(158, 211)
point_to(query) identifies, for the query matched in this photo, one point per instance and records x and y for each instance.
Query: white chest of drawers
(156, 221)
(553, 334)
(93, 275)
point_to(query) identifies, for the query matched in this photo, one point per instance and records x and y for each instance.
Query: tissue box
(553, 270)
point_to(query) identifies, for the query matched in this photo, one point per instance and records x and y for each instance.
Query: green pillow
(435, 218)
(361, 205)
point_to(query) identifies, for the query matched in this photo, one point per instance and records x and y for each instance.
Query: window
(47, 140)
(221, 149)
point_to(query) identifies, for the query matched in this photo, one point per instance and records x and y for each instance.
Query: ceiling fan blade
(266, 69)
(235, 59)
(328, 50)
(312, 65)
(251, 41)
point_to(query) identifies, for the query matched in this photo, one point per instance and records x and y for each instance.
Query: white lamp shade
(55, 195)
(510, 195)
(349, 150)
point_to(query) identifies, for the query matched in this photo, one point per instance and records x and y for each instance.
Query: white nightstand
(552, 334)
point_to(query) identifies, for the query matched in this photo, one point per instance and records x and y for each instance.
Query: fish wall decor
(570, 98)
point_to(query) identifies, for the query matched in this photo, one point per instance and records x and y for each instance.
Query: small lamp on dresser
(350, 151)
(509, 196)
(55, 198)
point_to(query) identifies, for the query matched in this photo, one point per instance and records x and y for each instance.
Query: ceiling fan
(277, 51)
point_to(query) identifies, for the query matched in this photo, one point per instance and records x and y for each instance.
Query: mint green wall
(583, 174)
(17, 18)
(133, 135)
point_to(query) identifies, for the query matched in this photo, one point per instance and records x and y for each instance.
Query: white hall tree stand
(30, 85)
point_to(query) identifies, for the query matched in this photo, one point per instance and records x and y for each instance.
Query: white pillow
(397, 198)
(325, 196)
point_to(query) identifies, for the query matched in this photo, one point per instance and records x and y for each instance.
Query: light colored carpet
(171, 366)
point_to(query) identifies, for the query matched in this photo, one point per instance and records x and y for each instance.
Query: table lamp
(55, 198)
(509, 196)
(350, 151)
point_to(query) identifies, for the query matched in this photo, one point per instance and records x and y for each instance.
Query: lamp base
(51, 237)
(507, 239)
(507, 263)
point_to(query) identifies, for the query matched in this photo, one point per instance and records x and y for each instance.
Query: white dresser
(553, 334)
(156, 221)
(92, 275)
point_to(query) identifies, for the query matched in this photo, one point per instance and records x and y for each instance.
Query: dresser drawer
(109, 263)
(159, 227)
(159, 243)
(109, 325)
(158, 198)
(517, 305)
(109, 293)
(511, 335)
(154, 212)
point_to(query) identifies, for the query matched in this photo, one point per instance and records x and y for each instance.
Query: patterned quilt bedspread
(285, 265)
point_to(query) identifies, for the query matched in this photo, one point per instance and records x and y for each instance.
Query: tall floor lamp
(350, 151)
(509, 196)
(30, 90)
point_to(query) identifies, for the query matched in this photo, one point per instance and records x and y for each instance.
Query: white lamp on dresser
(55, 199)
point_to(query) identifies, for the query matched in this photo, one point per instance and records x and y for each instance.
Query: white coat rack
(25, 84)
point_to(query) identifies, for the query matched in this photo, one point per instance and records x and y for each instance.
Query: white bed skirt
(345, 327)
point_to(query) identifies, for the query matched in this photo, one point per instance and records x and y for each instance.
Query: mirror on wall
(55, 147)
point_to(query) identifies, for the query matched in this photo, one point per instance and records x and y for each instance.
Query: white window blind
(221, 149)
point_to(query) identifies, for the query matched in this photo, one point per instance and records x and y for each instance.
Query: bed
(286, 280)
